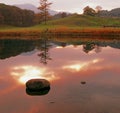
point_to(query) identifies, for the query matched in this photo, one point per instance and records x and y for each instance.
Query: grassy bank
(73, 26)
(60, 31)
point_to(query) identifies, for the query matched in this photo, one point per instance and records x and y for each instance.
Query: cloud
(71, 5)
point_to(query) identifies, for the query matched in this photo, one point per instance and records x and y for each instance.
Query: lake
(84, 76)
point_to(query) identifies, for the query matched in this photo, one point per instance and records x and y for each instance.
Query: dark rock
(37, 87)
(83, 82)
(38, 93)
(37, 84)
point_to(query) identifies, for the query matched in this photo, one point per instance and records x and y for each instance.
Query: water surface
(84, 76)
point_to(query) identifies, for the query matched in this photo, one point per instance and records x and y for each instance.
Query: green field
(75, 24)
(86, 21)
(75, 21)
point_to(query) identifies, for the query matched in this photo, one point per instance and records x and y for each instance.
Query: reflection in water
(90, 46)
(39, 92)
(44, 51)
(9, 48)
(81, 65)
(25, 73)
(81, 83)
(37, 87)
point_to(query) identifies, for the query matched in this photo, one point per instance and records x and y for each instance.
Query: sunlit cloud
(96, 60)
(76, 67)
(25, 73)
(73, 5)
(59, 47)
(77, 47)
(91, 52)
(69, 46)
(82, 65)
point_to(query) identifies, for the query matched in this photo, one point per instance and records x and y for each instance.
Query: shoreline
(60, 33)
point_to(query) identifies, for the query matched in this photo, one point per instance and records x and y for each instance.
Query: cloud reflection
(24, 73)
(82, 65)
(76, 67)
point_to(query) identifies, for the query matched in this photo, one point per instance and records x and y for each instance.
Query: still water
(84, 76)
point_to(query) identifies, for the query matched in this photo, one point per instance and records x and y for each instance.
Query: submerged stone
(37, 87)
(37, 84)
(38, 92)
(83, 82)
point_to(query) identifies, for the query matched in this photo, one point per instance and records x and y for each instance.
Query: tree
(12, 15)
(44, 49)
(89, 11)
(1, 19)
(88, 47)
(63, 14)
(44, 8)
(38, 18)
(98, 8)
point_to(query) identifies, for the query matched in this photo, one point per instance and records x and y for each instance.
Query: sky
(74, 6)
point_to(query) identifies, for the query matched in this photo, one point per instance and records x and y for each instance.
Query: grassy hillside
(74, 21)
(86, 21)
(75, 25)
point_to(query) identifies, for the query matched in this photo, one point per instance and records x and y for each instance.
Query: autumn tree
(88, 47)
(98, 9)
(89, 11)
(1, 19)
(44, 9)
(44, 49)
(12, 15)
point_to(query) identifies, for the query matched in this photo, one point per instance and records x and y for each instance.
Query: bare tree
(44, 9)
(89, 11)
(44, 49)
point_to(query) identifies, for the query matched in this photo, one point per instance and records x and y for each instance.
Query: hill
(11, 15)
(113, 13)
(86, 21)
(33, 8)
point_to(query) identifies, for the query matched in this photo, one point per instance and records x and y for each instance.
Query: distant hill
(12, 15)
(86, 21)
(33, 8)
(113, 13)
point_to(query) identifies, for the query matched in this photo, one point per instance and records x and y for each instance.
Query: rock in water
(83, 82)
(37, 84)
(37, 87)
(38, 92)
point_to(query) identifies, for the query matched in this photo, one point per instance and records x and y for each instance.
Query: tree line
(12, 15)
(101, 13)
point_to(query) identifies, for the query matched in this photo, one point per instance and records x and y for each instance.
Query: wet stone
(37, 84)
(83, 82)
(38, 92)
(36, 87)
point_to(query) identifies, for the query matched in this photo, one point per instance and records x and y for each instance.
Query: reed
(61, 31)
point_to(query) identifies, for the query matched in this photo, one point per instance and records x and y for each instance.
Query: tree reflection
(88, 47)
(44, 49)
(10, 48)
(91, 46)
(98, 49)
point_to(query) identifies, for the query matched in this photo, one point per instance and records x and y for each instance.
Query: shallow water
(84, 76)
